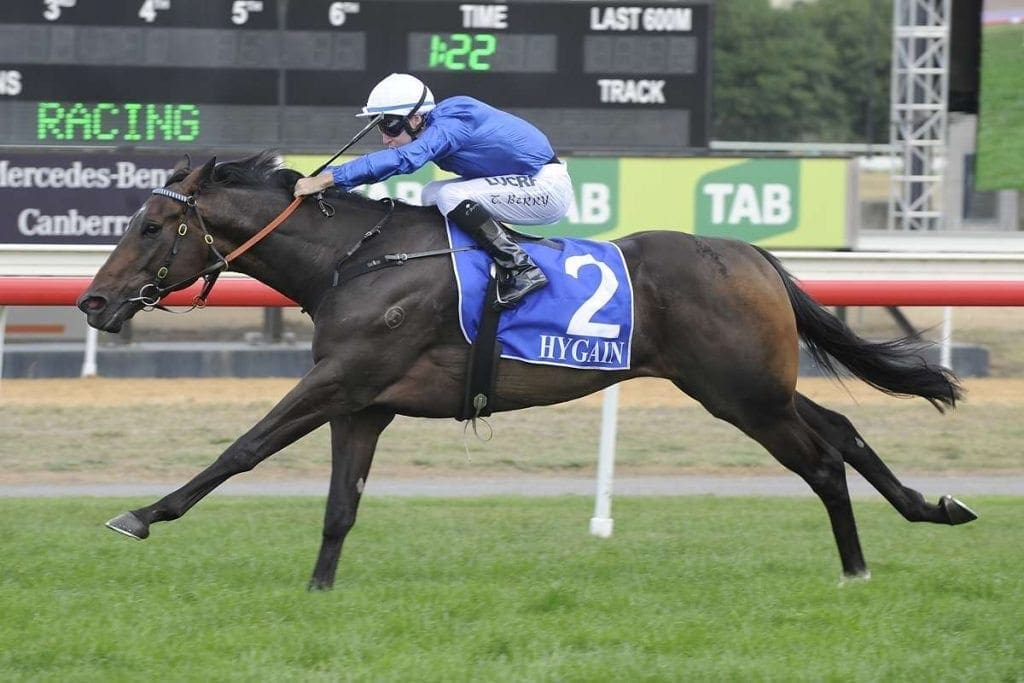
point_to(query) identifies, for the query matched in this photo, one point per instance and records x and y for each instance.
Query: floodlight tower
(918, 106)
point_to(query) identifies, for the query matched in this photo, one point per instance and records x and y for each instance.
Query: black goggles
(392, 126)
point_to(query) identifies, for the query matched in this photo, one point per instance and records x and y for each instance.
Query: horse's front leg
(301, 411)
(353, 442)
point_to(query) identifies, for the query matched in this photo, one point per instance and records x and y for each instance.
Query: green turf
(509, 589)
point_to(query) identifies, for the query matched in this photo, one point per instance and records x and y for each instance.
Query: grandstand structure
(919, 115)
(935, 85)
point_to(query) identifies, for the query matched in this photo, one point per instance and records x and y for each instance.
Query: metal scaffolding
(919, 96)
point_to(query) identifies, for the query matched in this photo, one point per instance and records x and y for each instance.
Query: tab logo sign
(750, 201)
(596, 200)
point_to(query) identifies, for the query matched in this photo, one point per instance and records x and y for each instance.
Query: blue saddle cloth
(583, 318)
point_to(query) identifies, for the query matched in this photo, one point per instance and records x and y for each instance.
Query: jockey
(507, 170)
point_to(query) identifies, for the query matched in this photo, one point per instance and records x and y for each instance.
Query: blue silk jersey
(462, 135)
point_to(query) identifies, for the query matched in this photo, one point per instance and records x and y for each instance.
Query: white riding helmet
(398, 95)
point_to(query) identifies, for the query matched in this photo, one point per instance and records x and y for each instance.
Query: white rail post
(3, 335)
(89, 362)
(601, 523)
(946, 350)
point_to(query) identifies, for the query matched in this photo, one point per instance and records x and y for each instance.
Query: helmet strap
(405, 120)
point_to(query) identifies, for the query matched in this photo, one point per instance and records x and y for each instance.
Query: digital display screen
(638, 55)
(480, 51)
(291, 74)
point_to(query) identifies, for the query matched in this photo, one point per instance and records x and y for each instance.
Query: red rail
(18, 290)
(917, 292)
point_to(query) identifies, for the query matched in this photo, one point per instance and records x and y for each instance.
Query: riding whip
(270, 227)
(376, 119)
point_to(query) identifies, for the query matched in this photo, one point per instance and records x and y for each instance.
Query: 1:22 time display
(490, 52)
(462, 51)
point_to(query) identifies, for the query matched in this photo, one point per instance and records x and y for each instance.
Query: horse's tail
(896, 367)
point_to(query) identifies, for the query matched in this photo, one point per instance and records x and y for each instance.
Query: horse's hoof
(956, 512)
(129, 525)
(319, 586)
(860, 577)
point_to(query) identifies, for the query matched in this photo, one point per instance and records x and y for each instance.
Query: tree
(815, 72)
(861, 32)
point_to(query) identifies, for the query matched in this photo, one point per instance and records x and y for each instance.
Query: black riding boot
(520, 274)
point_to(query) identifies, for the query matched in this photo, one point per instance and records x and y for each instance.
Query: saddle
(582, 319)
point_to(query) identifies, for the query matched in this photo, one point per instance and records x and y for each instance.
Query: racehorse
(720, 318)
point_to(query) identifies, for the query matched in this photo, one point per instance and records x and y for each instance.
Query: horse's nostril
(92, 304)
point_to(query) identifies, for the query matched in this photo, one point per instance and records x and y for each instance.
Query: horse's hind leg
(840, 432)
(794, 444)
(353, 442)
(772, 421)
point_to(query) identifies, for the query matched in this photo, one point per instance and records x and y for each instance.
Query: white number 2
(581, 323)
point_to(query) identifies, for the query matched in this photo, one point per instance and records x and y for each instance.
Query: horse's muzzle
(91, 303)
(98, 314)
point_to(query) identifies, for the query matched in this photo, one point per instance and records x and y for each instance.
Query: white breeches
(517, 199)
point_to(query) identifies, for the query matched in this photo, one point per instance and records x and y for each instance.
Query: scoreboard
(596, 77)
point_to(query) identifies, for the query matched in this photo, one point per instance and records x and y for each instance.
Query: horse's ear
(206, 172)
(183, 166)
(199, 177)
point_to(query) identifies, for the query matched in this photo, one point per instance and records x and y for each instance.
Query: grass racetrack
(509, 589)
(689, 588)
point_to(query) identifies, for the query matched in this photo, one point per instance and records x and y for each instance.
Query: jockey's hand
(308, 186)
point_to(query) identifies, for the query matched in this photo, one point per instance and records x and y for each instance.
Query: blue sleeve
(439, 139)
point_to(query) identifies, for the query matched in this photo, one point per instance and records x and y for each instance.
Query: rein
(222, 263)
(211, 272)
(267, 229)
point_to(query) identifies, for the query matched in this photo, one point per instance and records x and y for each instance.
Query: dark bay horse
(719, 318)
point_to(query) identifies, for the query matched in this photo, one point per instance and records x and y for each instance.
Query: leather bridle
(151, 293)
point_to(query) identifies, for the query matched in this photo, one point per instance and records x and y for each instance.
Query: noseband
(209, 274)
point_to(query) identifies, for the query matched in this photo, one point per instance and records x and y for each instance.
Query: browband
(184, 199)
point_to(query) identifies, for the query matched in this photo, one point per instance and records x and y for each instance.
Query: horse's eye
(150, 230)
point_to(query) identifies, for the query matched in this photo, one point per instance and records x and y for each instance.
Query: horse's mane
(266, 170)
(262, 170)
